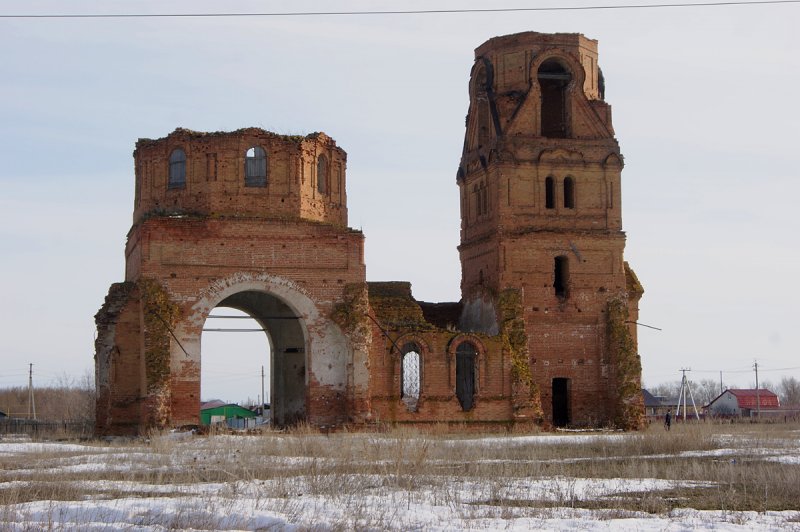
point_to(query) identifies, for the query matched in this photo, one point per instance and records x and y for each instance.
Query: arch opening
(553, 81)
(282, 355)
(410, 376)
(569, 193)
(255, 167)
(466, 357)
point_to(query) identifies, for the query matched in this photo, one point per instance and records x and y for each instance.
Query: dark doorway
(561, 414)
(465, 375)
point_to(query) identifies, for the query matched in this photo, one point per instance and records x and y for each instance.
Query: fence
(46, 429)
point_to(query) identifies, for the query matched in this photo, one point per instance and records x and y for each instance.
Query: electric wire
(731, 3)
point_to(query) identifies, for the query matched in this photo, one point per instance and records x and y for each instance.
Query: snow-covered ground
(284, 482)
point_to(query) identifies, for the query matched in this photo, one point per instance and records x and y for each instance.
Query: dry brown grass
(725, 463)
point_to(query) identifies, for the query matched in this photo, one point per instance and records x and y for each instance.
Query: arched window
(410, 376)
(466, 355)
(322, 174)
(553, 81)
(255, 167)
(177, 169)
(569, 193)
(549, 193)
(477, 193)
(484, 199)
(561, 276)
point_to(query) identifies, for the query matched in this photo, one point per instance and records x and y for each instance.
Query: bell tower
(539, 183)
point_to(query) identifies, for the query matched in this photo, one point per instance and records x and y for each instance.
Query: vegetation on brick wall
(527, 397)
(160, 316)
(396, 308)
(351, 314)
(627, 368)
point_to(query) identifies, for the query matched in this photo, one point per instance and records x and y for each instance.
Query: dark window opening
(553, 82)
(561, 277)
(484, 114)
(478, 204)
(561, 413)
(466, 355)
(177, 169)
(484, 198)
(255, 167)
(410, 376)
(549, 193)
(322, 175)
(569, 193)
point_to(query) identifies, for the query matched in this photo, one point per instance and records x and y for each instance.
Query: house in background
(234, 416)
(743, 403)
(653, 407)
(657, 406)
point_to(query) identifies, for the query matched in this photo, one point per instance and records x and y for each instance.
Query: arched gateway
(544, 331)
(276, 247)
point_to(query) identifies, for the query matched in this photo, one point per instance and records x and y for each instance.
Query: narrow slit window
(177, 169)
(322, 175)
(466, 355)
(549, 193)
(410, 376)
(569, 193)
(561, 276)
(255, 167)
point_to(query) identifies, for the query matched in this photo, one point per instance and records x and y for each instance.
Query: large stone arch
(313, 345)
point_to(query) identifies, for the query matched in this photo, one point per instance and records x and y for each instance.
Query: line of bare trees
(705, 390)
(67, 400)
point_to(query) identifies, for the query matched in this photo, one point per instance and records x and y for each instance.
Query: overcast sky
(704, 102)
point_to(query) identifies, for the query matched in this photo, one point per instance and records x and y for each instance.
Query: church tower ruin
(539, 180)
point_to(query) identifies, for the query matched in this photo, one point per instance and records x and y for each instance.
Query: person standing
(668, 420)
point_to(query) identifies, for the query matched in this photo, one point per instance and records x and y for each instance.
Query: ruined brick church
(544, 332)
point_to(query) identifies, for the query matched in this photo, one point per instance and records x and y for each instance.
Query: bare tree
(789, 391)
(667, 389)
(704, 390)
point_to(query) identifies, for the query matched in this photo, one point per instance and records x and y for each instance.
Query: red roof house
(745, 403)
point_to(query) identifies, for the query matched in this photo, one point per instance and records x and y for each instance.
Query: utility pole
(31, 401)
(721, 391)
(758, 394)
(682, 396)
(263, 397)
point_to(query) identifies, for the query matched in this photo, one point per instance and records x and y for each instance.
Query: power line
(397, 12)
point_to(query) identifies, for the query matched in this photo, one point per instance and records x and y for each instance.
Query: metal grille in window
(177, 169)
(255, 167)
(410, 376)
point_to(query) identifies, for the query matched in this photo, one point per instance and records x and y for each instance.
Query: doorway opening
(561, 413)
(244, 333)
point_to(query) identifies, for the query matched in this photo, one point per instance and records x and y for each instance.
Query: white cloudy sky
(705, 110)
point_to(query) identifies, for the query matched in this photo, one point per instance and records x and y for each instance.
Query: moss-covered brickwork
(627, 367)
(160, 314)
(526, 398)
(352, 313)
(395, 307)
